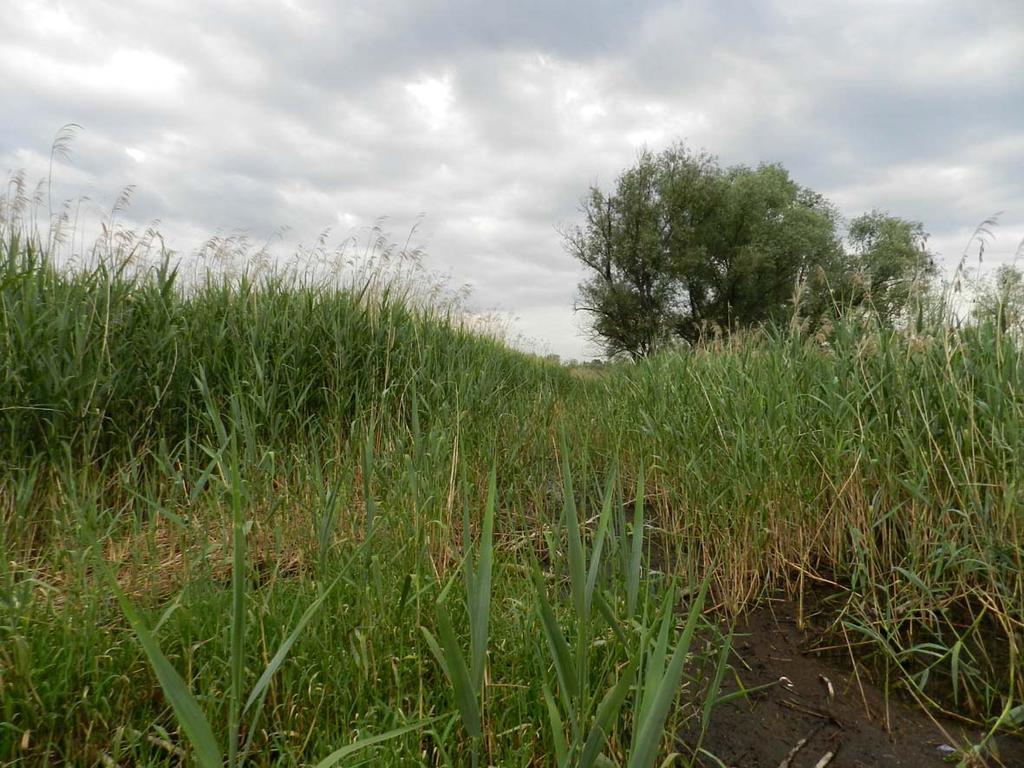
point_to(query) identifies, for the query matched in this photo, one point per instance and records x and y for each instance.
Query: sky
(477, 127)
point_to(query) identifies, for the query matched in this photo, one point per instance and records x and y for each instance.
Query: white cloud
(434, 97)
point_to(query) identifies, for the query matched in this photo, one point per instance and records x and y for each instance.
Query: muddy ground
(798, 727)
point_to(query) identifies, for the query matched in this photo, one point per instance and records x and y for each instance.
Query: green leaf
(637, 548)
(595, 555)
(607, 713)
(186, 709)
(663, 692)
(371, 505)
(557, 729)
(480, 605)
(716, 684)
(655, 669)
(559, 648)
(238, 579)
(914, 579)
(1015, 716)
(577, 558)
(286, 646)
(458, 675)
(955, 670)
(369, 741)
(435, 649)
(609, 616)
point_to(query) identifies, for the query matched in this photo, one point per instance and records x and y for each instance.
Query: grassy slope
(887, 464)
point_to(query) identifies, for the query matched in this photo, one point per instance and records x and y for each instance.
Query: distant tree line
(682, 247)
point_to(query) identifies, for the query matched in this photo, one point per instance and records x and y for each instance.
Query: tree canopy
(683, 247)
(1001, 299)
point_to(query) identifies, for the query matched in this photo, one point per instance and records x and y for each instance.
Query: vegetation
(684, 249)
(1001, 299)
(292, 520)
(238, 521)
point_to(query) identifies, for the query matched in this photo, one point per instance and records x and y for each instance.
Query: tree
(630, 290)
(1001, 300)
(891, 264)
(683, 247)
(761, 235)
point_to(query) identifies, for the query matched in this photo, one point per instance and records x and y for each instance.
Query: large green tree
(761, 237)
(631, 289)
(682, 247)
(891, 265)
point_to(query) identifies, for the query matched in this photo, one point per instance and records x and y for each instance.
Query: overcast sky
(492, 119)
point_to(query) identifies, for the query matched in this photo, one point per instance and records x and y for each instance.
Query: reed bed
(272, 518)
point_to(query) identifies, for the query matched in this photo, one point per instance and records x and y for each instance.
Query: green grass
(280, 519)
(886, 463)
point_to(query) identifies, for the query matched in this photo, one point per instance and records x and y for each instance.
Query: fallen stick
(792, 753)
(828, 687)
(797, 708)
(825, 760)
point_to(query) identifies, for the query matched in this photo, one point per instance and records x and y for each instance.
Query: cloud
(490, 121)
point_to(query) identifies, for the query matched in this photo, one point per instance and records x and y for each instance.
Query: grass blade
(656, 657)
(607, 712)
(577, 558)
(370, 741)
(716, 684)
(637, 548)
(663, 692)
(238, 578)
(557, 729)
(186, 709)
(595, 555)
(286, 646)
(371, 505)
(480, 604)
(560, 654)
(435, 649)
(458, 675)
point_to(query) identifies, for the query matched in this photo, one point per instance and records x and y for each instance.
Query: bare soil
(800, 725)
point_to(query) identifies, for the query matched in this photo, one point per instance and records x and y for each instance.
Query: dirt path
(804, 723)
